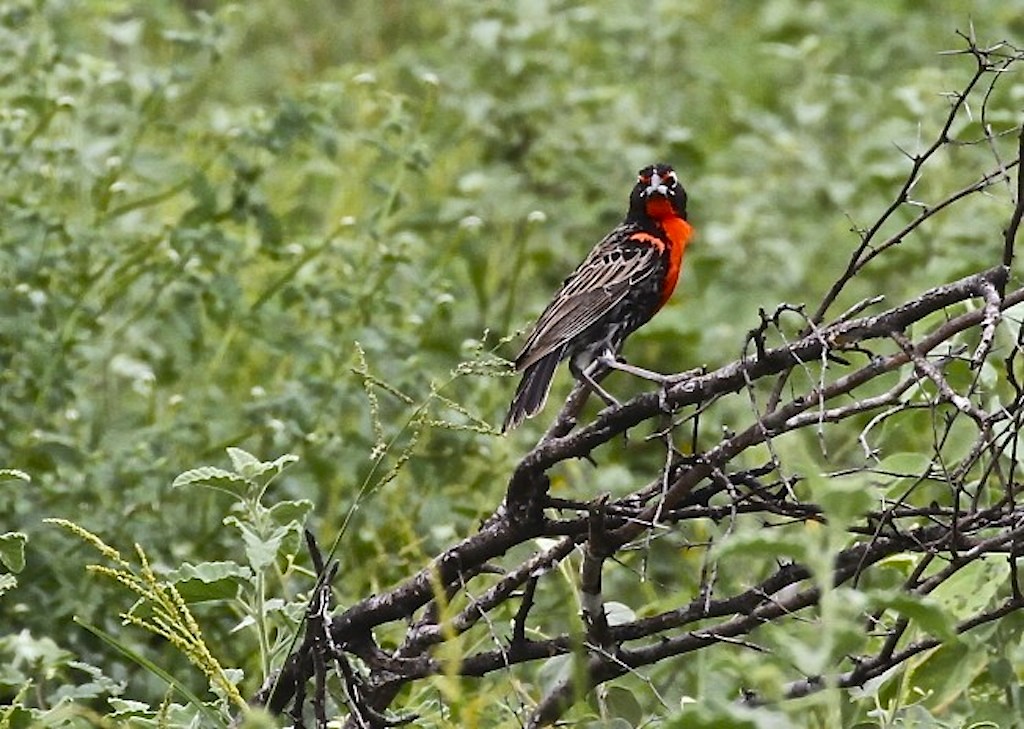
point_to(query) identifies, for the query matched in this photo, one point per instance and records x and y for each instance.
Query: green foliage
(313, 228)
(12, 544)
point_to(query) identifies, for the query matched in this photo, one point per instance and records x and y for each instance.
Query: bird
(623, 282)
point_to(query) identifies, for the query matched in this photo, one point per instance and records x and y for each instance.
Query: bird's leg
(587, 376)
(611, 361)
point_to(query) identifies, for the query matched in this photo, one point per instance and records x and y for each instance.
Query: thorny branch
(918, 362)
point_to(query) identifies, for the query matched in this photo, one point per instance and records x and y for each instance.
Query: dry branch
(949, 515)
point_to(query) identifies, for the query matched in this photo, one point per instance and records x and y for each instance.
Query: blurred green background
(205, 207)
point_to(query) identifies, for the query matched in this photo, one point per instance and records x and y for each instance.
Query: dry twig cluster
(868, 370)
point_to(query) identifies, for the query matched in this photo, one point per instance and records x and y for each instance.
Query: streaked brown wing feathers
(601, 281)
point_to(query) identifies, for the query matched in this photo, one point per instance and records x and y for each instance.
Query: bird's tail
(532, 392)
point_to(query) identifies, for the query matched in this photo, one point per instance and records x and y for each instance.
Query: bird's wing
(614, 266)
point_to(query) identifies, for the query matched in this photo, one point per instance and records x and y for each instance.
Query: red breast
(677, 234)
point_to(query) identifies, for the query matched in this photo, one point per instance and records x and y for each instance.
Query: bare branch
(857, 371)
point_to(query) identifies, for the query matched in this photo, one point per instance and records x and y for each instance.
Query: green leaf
(257, 717)
(260, 550)
(899, 470)
(286, 513)
(13, 474)
(244, 462)
(7, 583)
(12, 550)
(209, 580)
(612, 723)
(945, 673)
(763, 545)
(555, 670)
(98, 684)
(249, 467)
(18, 717)
(208, 571)
(902, 563)
(618, 613)
(720, 715)
(214, 478)
(622, 703)
(1003, 673)
(907, 464)
(972, 588)
(281, 463)
(843, 501)
(127, 709)
(926, 612)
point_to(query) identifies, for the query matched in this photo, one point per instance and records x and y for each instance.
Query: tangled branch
(868, 370)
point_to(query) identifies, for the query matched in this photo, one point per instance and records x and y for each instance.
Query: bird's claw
(607, 359)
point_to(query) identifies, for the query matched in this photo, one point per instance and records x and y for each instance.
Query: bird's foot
(607, 359)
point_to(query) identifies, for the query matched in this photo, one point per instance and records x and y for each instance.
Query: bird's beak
(657, 186)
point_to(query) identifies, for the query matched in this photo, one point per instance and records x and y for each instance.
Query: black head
(654, 185)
